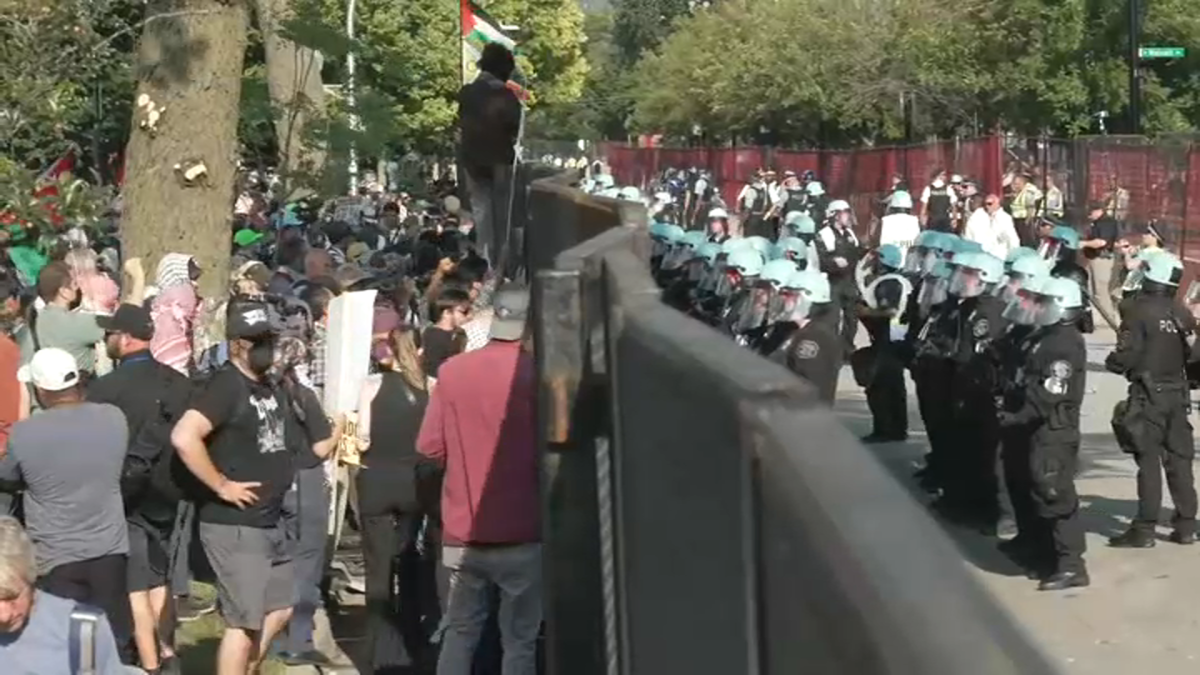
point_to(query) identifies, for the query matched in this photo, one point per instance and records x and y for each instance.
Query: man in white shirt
(992, 228)
(899, 227)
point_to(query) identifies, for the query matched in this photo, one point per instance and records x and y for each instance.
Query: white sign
(347, 349)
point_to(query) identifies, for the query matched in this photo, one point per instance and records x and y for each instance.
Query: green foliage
(834, 72)
(66, 76)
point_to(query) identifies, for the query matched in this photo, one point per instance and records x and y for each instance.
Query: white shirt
(899, 229)
(994, 232)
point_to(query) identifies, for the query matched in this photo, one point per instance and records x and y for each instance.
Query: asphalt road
(1142, 611)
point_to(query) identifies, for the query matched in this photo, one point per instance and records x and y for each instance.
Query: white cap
(718, 214)
(50, 370)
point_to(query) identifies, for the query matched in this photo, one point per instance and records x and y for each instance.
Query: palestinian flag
(479, 29)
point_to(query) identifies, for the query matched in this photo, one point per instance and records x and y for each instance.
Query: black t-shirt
(437, 345)
(307, 426)
(248, 444)
(1104, 228)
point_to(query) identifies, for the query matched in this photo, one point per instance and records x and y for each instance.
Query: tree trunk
(294, 82)
(190, 67)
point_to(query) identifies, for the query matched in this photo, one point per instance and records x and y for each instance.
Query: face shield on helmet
(683, 251)
(1049, 248)
(1031, 308)
(754, 307)
(934, 292)
(789, 304)
(966, 282)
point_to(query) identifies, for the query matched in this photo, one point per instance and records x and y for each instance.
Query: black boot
(1183, 537)
(1061, 581)
(1133, 538)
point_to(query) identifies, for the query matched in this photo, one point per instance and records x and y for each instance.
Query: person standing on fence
(1098, 251)
(1024, 208)
(489, 118)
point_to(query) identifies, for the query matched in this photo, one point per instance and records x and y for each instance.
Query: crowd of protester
(153, 438)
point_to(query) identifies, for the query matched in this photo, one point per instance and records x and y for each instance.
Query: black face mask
(261, 356)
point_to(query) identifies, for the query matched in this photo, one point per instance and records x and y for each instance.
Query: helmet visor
(696, 269)
(966, 283)
(755, 306)
(933, 292)
(913, 259)
(1032, 309)
(1049, 249)
(727, 281)
(677, 256)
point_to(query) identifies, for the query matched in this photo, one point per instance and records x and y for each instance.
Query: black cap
(132, 320)
(246, 319)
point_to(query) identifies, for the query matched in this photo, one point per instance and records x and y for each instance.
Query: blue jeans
(517, 572)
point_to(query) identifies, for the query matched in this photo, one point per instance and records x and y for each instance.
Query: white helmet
(815, 189)
(901, 200)
(718, 214)
(835, 206)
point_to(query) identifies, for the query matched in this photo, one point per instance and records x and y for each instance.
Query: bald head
(317, 263)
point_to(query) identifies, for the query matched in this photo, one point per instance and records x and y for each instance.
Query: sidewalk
(1142, 611)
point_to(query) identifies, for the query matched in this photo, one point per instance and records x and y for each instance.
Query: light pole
(351, 98)
(1135, 78)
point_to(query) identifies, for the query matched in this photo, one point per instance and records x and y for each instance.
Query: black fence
(703, 512)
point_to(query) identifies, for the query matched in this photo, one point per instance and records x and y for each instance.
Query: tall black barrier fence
(704, 514)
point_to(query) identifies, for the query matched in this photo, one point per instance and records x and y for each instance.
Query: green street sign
(1162, 52)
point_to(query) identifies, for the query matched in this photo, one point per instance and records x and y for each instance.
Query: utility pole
(352, 99)
(1135, 79)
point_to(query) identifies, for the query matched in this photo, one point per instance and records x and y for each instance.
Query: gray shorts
(253, 570)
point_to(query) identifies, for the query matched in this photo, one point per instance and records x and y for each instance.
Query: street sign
(1162, 52)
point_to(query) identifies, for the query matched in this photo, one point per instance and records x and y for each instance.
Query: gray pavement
(1142, 611)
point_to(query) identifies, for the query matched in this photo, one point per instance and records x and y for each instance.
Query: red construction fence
(1161, 177)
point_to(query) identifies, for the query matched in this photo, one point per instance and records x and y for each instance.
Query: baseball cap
(247, 237)
(50, 370)
(247, 319)
(510, 311)
(133, 320)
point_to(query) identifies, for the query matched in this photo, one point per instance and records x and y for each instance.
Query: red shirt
(10, 389)
(481, 424)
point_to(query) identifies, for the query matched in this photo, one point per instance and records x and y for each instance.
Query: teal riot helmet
(658, 239)
(1061, 243)
(799, 224)
(960, 246)
(760, 244)
(742, 269)
(915, 255)
(715, 276)
(709, 252)
(975, 274)
(1046, 302)
(936, 288)
(890, 257)
(1016, 254)
(778, 272)
(684, 250)
(806, 289)
(793, 249)
(1164, 269)
(1026, 269)
(933, 248)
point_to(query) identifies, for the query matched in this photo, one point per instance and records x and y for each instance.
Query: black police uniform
(843, 287)
(884, 380)
(1068, 268)
(933, 373)
(975, 485)
(756, 221)
(1152, 423)
(1027, 548)
(815, 353)
(1052, 383)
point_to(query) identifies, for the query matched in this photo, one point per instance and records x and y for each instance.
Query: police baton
(1108, 319)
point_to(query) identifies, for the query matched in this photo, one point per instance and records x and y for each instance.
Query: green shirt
(73, 332)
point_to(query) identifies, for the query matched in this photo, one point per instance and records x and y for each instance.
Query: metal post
(1135, 80)
(351, 99)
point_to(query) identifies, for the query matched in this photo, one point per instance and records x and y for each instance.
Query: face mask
(261, 356)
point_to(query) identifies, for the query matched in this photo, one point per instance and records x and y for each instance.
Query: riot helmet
(1046, 302)
(811, 292)
(683, 250)
(901, 201)
(800, 225)
(814, 188)
(793, 249)
(1157, 273)
(1060, 243)
(975, 274)
(1027, 269)
(936, 288)
(742, 268)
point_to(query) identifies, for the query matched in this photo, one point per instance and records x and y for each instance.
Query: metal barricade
(703, 513)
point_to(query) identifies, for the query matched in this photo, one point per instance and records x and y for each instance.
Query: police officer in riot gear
(800, 225)
(718, 225)
(1060, 245)
(975, 492)
(813, 351)
(1152, 423)
(1052, 382)
(879, 368)
(1024, 269)
(742, 269)
(933, 371)
(839, 251)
